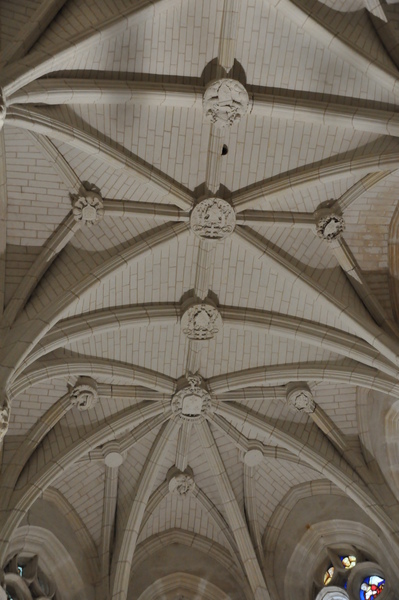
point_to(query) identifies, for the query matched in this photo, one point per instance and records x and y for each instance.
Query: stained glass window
(328, 575)
(20, 570)
(348, 561)
(371, 587)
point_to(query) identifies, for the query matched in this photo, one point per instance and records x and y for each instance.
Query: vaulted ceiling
(199, 299)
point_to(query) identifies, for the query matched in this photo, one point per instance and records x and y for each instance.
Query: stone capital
(88, 206)
(330, 223)
(193, 401)
(300, 398)
(201, 321)
(213, 219)
(225, 102)
(84, 395)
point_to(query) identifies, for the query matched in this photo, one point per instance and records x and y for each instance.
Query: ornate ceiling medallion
(84, 394)
(300, 398)
(88, 207)
(181, 484)
(213, 219)
(193, 401)
(225, 102)
(330, 227)
(201, 322)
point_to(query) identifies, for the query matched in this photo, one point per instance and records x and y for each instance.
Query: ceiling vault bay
(107, 156)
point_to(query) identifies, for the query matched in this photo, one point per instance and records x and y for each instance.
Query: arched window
(347, 574)
(24, 580)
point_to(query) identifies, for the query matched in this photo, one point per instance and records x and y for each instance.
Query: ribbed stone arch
(306, 557)
(355, 374)
(96, 367)
(187, 585)
(39, 122)
(323, 459)
(275, 525)
(38, 63)
(186, 538)
(22, 338)
(313, 174)
(285, 326)
(59, 564)
(21, 501)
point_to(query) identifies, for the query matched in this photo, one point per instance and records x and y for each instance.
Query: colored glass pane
(348, 561)
(20, 570)
(371, 587)
(328, 575)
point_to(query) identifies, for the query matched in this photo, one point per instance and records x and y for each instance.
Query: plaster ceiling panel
(358, 31)
(274, 408)
(303, 244)
(240, 279)
(129, 474)
(274, 478)
(36, 196)
(19, 259)
(277, 53)
(173, 140)
(113, 183)
(230, 456)
(308, 198)
(112, 233)
(204, 479)
(162, 348)
(182, 513)
(30, 406)
(84, 490)
(163, 276)
(367, 224)
(179, 39)
(260, 148)
(240, 350)
(13, 15)
(339, 403)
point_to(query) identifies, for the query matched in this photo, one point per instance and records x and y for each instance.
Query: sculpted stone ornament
(88, 206)
(4, 419)
(193, 401)
(330, 226)
(181, 484)
(2, 109)
(225, 102)
(201, 322)
(84, 395)
(213, 219)
(300, 398)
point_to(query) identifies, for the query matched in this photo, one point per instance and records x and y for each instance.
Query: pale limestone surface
(198, 286)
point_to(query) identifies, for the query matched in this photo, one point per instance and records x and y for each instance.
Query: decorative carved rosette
(201, 322)
(300, 398)
(4, 418)
(181, 484)
(213, 219)
(84, 395)
(330, 226)
(225, 102)
(193, 401)
(2, 109)
(88, 206)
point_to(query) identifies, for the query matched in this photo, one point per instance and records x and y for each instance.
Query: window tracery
(349, 574)
(24, 580)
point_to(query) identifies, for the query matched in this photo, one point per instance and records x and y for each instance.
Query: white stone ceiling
(103, 107)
